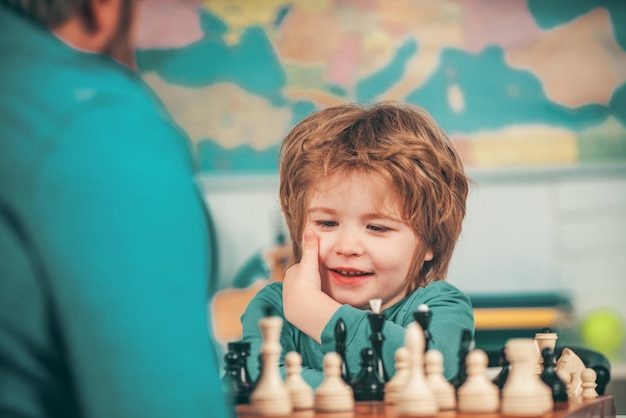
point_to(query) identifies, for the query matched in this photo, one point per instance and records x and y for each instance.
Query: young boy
(374, 199)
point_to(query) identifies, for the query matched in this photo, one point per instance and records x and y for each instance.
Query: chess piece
(232, 382)
(588, 378)
(397, 383)
(478, 394)
(423, 316)
(242, 348)
(467, 344)
(544, 339)
(270, 395)
(377, 321)
(524, 393)
(368, 385)
(444, 391)
(500, 379)
(569, 367)
(333, 394)
(550, 378)
(417, 399)
(300, 393)
(341, 335)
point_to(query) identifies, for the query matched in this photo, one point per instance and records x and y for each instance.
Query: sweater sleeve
(268, 298)
(452, 313)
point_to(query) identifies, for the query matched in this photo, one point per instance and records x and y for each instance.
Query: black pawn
(466, 346)
(268, 310)
(500, 379)
(232, 383)
(550, 378)
(377, 321)
(423, 317)
(368, 386)
(341, 335)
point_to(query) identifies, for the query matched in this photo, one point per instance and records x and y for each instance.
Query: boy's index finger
(310, 250)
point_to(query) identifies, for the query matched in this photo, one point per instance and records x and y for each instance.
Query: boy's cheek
(323, 250)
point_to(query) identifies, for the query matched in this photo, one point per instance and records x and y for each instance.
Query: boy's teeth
(350, 273)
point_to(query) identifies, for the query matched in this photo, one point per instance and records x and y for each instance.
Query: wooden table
(602, 407)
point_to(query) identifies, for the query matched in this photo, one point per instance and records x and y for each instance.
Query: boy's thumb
(310, 240)
(309, 247)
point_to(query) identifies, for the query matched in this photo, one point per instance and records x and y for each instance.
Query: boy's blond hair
(399, 141)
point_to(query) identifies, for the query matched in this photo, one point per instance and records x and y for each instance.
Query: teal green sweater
(452, 313)
(104, 245)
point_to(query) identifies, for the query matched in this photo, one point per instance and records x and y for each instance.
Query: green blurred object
(603, 330)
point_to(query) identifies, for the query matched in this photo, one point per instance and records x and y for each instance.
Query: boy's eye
(378, 228)
(326, 224)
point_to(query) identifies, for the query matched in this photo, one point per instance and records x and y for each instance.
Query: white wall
(561, 229)
(525, 230)
(246, 214)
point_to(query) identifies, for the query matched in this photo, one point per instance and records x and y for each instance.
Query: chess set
(532, 382)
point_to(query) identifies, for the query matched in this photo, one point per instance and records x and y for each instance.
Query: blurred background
(533, 92)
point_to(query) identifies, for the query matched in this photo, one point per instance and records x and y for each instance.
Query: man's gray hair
(48, 12)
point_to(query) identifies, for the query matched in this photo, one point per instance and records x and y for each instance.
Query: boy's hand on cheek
(306, 274)
(304, 303)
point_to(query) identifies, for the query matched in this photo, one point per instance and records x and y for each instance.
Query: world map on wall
(514, 83)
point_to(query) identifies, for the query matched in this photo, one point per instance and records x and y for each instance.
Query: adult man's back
(103, 242)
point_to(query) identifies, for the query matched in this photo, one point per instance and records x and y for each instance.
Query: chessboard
(601, 407)
(531, 381)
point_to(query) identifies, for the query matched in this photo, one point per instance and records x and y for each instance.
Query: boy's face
(365, 249)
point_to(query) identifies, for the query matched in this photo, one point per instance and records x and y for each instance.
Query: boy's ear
(429, 255)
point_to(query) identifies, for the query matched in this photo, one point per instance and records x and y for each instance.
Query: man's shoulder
(64, 98)
(46, 82)
(98, 82)
(35, 59)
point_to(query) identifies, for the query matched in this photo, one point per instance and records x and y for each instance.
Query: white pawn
(333, 395)
(300, 392)
(478, 394)
(544, 340)
(588, 377)
(416, 399)
(397, 383)
(270, 396)
(444, 391)
(524, 393)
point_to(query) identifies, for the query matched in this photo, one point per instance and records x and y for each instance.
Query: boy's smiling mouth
(350, 273)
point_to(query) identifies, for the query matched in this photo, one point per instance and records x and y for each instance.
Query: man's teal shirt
(104, 250)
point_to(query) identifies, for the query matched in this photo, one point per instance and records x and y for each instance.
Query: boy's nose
(348, 244)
